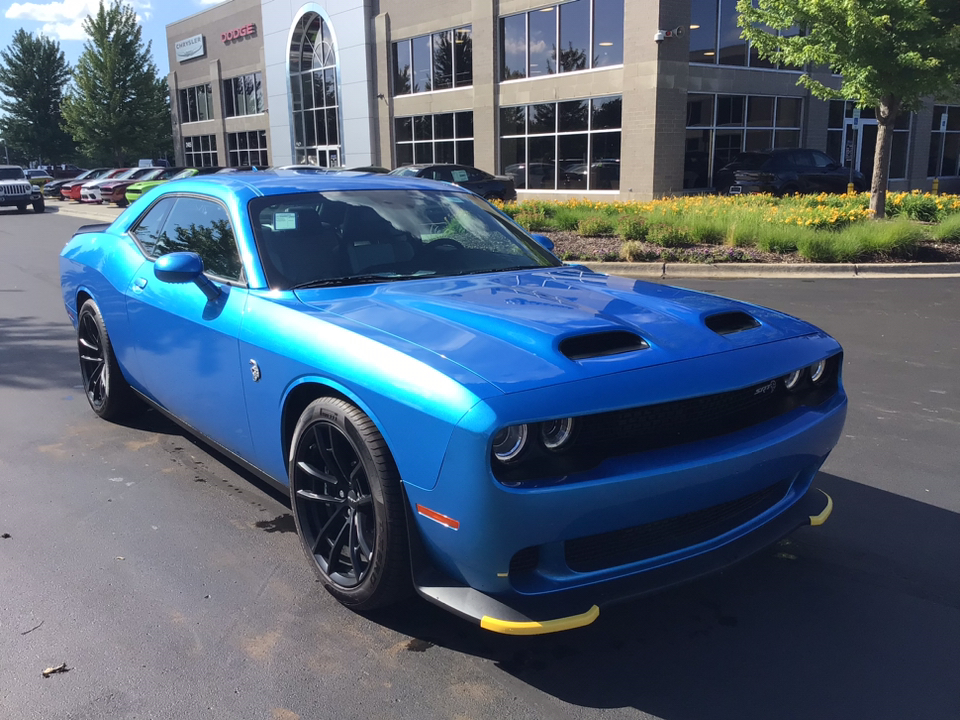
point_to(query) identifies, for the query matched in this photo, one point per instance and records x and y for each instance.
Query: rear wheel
(108, 392)
(348, 505)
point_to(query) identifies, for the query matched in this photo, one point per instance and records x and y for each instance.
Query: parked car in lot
(134, 191)
(17, 191)
(786, 172)
(67, 188)
(491, 187)
(77, 189)
(52, 188)
(450, 407)
(532, 176)
(115, 190)
(38, 177)
(90, 192)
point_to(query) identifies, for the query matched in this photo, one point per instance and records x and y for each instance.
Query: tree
(118, 107)
(33, 73)
(891, 55)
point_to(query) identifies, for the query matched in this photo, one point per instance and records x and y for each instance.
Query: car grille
(664, 425)
(15, 187)
(621, 547)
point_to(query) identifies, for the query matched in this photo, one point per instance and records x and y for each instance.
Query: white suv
(15, 189)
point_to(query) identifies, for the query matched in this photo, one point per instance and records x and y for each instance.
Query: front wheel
(108, 392)
(348, 505)
(38, 205)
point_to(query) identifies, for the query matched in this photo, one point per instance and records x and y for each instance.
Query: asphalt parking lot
(172, 585)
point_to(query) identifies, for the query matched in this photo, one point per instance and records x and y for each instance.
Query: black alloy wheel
(348, 505)
(106, 389)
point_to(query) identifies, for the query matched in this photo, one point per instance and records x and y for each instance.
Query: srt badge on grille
(770, 387)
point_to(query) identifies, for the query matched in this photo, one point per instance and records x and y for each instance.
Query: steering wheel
(448, 243)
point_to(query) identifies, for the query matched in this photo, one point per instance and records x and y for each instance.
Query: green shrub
(882, 238)
(916, 207)
(817, 247)
(566, 218)
(534, 222)
(632, 227)
(632, 251)
(948, 231)
(595, 225)
(667, 236)
(780, 238)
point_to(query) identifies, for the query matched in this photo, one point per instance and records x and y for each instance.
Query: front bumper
(90, 195)
(529, 555)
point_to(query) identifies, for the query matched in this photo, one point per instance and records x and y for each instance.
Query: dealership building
(612, 99)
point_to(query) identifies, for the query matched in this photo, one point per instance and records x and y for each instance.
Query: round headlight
(818, 370)
(556, 433)
(792, 380)
(509, 442)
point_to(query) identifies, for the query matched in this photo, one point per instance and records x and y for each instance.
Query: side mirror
(544, 240)
(183, 267)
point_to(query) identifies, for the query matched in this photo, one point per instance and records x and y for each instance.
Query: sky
(63, 22)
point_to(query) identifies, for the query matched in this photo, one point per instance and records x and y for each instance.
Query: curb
(670, 271)
(731, 271)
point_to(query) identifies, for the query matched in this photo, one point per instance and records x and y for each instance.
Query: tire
(107, 391)
(122, 203)
(22, 208)
(38, 205)
(789, 191)
(348, 505)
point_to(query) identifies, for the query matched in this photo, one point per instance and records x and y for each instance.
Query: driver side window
(198, 225)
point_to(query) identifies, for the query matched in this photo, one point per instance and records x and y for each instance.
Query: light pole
(6, 154)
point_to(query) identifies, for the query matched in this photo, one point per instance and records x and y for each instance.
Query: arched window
(314, 93)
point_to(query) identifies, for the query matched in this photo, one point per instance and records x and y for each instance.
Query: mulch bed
(571, 246)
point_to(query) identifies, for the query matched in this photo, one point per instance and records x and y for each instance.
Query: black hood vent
(616, 342)
(729, 323)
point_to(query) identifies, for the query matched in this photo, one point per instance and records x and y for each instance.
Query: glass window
(442, 138)
(574, 44)
(200, 151)
(401, 68)
(788, 112)
(733, 48)
(607, 32)
(442, 60)
(570, 145)
(572, 116)
(147, 230)
(513, 48)
(202, 226)
(699, 110)
(760, 111)
(422, 64)
(463, 57)
(543, 42)
(703, 31)
(314, 90)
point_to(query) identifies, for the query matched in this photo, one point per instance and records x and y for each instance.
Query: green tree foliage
(33, 73)
(891, 54)
(118, 108)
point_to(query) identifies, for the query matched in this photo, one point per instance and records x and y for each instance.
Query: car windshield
(189, 172)
(152, 175)
(361, 236)
(11, 174)
(750, 161)
(405, 171)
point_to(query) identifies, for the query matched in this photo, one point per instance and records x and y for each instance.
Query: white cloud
(64, 20)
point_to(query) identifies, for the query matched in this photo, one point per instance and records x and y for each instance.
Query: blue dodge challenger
(451, 409)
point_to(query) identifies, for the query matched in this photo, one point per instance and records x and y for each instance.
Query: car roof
(283, 182)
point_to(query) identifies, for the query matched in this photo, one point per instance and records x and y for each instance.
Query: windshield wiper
(496, 270)
(361, 279)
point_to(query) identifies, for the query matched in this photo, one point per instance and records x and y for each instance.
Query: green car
(175, 173)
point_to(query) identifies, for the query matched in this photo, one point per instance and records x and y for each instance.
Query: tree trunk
(887, 110)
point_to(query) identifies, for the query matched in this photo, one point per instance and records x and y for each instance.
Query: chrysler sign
(190, 48)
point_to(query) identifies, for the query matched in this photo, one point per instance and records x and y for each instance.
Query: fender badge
(255, 370)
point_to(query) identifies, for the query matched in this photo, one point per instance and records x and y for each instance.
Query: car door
(187, 347)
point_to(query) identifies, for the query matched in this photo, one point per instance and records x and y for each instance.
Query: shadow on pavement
(857, 619)
(36, 354)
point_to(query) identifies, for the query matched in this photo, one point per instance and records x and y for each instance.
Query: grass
(821, 228)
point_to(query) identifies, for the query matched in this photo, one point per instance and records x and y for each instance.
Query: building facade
(613, 99)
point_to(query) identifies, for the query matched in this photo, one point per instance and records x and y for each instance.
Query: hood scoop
(729, 323)
(602, 344)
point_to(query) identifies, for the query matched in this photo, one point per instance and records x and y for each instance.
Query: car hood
(509, 328)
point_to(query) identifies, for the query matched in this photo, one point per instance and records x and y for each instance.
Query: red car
(67, 188)
(77, 189)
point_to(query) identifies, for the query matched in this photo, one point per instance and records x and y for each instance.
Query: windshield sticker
(285, 221)
(459, 175)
